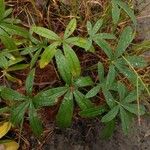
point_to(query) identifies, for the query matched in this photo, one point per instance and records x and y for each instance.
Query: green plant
(56, 41)
(20, 105)
(8, 25)
(68, 67)
(117, 6)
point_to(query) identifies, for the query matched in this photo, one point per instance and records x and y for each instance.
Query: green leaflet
(111, 76)
(29, 82)
(137, 61)
(133, 108)
(92, 112)
(9, 94)
(128, 10)
(121, 90)
(95, 90)
(83, 102)
(63, 67)
(115, 12)
(70, 28)
(35, 123)
(48, 54)
(17, 114)
(45, 33)
(14, 29)
(131, 97)
(84, 81)
(73, 60)
(78, 41)
(100, 71)
(8, 42)
(97, 26)
(64, 116)
(109, 98)
(111, 114)
(124, 41)
(125, 120)
(49, 97)
(105, 47)
(109, 129)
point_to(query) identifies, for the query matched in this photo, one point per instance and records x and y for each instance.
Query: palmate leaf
(49, 97)
(73, 60)
(70, 28)
(83, 102)
(48, 54)
(17, 114)
(45, 33)
(9, 94)
(124, 41)
(92, 112)
(29, 82)
(17, 67)
(111, 114)
(35, 123)
(63, 67)
(64, 116)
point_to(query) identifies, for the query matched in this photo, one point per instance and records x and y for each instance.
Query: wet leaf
(9, 94)
(70, 28)
(73, 60)
(83, 102)
(29, 82)
(111, 114)
(45, 33)
(48, 54)
(84, 81)
(49, 97)
(92, 112)
(125, 120)
(35, 123)
(124, 41)
(63, 67)
(95, 90)
(64, 116)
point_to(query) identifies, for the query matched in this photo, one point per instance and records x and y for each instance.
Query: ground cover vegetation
(99, 67)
